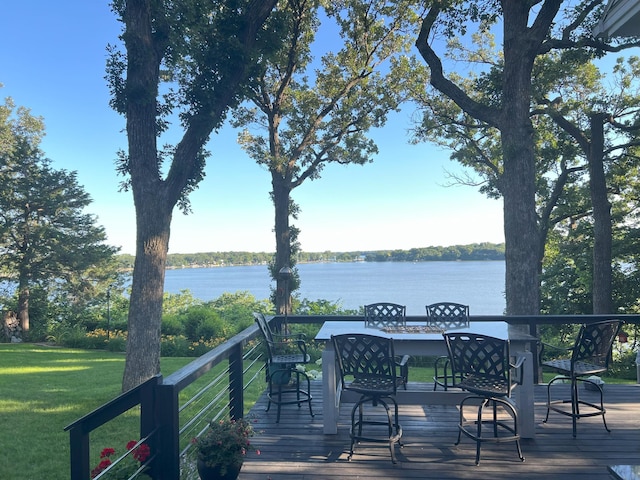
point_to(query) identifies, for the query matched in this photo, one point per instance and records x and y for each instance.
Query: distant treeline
(474, 251)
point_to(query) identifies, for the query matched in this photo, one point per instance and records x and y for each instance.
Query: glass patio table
(420, 340)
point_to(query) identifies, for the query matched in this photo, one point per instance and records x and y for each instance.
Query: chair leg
(576, 403)
(404, 373)
(445, 377)
(477, 435)
(309, 393)
(392, 423)
(479, 430)
(282, 394)
(575, 407)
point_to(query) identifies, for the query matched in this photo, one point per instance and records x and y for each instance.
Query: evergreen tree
(46, 239)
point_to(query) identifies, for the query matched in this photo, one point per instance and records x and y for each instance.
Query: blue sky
(52, 61)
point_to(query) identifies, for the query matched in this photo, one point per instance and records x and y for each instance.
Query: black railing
(160, 409)
(159, 401)
(143, 395)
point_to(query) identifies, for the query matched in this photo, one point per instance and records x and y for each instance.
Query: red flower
(107, 452)
(142, 453)
(102, 465)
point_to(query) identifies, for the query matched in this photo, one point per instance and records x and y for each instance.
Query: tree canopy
(493, 108)
(308, 112)
(46, 238)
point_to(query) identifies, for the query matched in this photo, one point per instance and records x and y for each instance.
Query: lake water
(477, 284)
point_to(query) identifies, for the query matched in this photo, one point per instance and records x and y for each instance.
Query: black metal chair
(366, 365)
(447, 316)
(481, 365)
(284, 354)
(386, 314)
(589, 356)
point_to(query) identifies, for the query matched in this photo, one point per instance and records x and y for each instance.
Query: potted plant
(222, 448)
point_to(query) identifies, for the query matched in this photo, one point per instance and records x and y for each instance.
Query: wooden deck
(296, 448)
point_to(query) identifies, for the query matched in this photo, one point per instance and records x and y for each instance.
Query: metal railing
(159, 398)
(160, 407)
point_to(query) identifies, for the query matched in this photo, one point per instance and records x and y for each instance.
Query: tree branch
(440, 82)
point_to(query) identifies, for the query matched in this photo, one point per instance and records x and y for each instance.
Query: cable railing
(175, 409)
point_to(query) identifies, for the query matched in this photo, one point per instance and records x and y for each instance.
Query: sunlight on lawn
(37, 369)
(35, 406)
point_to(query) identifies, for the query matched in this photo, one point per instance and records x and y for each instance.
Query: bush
(213, 327)
(73, 336)
(172, 325)
(623, 365)
(174, 346)
(117, 342)
(202, 346)
(193, 318)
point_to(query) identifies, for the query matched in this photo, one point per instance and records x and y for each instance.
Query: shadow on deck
(296, 448)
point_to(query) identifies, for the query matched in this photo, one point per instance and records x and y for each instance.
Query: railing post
(167, 465)
(148, 419)
(79, 444)
(236, 392)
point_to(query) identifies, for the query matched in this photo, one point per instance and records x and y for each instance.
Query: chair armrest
(403, 361)
(285, 343)
(544, 346)
(289, 336)
(518, 362)
(517, 365)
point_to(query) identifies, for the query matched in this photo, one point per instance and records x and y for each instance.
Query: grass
(42, 390)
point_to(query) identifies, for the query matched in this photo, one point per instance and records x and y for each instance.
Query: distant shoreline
(472, 252)
(180, 267)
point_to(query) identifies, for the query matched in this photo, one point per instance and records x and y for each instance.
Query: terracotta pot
(213, 473)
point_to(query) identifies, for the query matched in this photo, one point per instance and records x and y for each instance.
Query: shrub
(203, 321)
(213, 327)
(174, 346)
(172, 325)
(72, 336)
(202, 346)
(117, 341)
(623, 365)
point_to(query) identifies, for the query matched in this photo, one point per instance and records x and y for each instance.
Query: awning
(621, 18)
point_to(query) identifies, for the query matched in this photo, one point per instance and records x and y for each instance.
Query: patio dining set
(483, 368)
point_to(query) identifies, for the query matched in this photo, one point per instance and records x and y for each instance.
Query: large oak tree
(310, 113)
(187, 59)
(529, 29)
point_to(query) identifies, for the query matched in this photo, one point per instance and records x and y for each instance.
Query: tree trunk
(281, 201)
(147, 290)
(518, 181)
(153, 201)
(602, 230)
(23, 306)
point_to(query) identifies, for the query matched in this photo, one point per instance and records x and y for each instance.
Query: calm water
(477, 284)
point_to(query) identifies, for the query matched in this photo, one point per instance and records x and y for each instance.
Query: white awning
(621, 19)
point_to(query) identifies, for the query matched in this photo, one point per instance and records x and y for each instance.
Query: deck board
(297, 449)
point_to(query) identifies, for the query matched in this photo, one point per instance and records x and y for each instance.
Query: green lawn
(42, 390)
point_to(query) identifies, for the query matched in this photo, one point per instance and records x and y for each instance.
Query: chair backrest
(448, 315)
(595, 342)
(361, 355)
(266, 332)
(477, 354)
(263, 325)
(384, 314)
